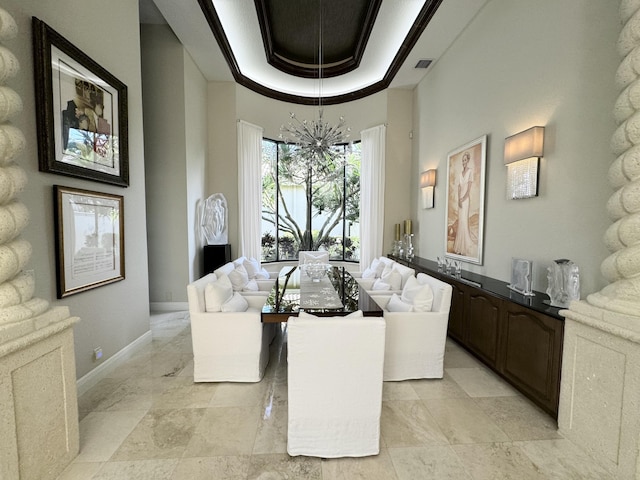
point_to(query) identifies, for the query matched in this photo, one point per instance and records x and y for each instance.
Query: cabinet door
(532, 354)
(482, 314)
(456, 312)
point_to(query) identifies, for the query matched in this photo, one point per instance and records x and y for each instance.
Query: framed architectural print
(465, 201)
(89, 239)
(81, 112)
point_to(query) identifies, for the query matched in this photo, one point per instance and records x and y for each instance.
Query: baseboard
(101, 371)
(168, 306)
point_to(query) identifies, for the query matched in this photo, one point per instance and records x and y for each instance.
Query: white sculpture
(214, 220)
(564, 283)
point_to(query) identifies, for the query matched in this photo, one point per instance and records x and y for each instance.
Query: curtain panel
(249, 189)
(372, 194)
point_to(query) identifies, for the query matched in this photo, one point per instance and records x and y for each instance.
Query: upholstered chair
(335, 385)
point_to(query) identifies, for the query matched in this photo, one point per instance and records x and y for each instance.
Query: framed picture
(465, 201)
(89, 239)
(81, 112)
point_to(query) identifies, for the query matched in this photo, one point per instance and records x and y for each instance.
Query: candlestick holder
(408, 250)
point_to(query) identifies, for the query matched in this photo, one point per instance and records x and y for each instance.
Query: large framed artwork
(81, 112)
(465, 201)
(89, 239)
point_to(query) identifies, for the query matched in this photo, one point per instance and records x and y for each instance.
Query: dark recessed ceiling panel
(289, 30)
(291, 34)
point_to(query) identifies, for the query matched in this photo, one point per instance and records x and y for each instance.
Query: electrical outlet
(97, 354)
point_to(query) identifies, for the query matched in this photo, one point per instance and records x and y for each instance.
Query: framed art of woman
(465, 201)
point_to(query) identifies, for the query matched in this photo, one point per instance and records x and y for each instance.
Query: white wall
(520, 64)
(176, 143)
(114, 315)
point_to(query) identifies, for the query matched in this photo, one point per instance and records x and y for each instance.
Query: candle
(397, 231)
(407, 227)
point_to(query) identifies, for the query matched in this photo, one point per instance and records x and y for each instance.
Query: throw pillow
(262, 274)
(397, 305)
(379, 284)
(216, 293)
(252, 266)
(379, 268)
(418, 295)
(237, 303)
(393, 277)
(239, 278)
(369, 273)
(251, 286)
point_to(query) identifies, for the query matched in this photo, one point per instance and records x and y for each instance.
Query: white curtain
(371, 194)
(249, 189)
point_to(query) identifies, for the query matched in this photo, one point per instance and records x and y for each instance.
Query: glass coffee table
(337, 293)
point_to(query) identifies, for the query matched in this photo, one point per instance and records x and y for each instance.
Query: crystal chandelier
(316, 138)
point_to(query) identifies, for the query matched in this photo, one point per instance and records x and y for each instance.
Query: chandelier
(315, 139)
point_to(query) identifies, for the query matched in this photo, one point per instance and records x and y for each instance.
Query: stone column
(600, 387)
(38, 404)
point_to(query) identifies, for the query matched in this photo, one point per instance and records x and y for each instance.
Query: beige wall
(517, 65)
(114, 315)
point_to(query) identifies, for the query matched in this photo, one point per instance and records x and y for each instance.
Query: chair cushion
(237, 303)
(397, 305)
(216, 293)
(417, 294)
(239, 278)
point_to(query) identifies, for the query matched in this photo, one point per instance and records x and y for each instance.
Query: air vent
(423, 63)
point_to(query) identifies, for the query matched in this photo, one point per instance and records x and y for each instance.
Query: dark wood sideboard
(519, 337)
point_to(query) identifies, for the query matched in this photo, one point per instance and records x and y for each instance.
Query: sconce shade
(526, 144)
(428, 179)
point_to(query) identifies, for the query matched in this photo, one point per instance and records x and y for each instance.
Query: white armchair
(231, 346)
(335, 385)
(415, 341)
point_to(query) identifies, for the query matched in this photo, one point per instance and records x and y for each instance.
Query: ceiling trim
(422, 20)
(311, 70)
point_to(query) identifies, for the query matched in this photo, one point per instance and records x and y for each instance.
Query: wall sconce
(522, 153)
(427, 182)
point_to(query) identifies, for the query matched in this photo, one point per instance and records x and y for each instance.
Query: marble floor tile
(497, 461)
(137, 470)
(80, 471)
(398, 391)
(409, 423)
(460, 358)
(480, 382)
(271, 436)
(90, 400)
(444, 387)
(131, 394)
(519, 418)
(563, 460)
(187, 371)
(209, 468)
(375, 467)
(238, 394)
(182, 392)
(160, 434)
(225, 431)
(438, 462)
(101, 433)
(284, 467)
(462, 421)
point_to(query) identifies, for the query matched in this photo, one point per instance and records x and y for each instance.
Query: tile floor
(149, 421)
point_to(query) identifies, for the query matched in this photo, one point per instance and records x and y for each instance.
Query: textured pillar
(38, 404)
(600, 387)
